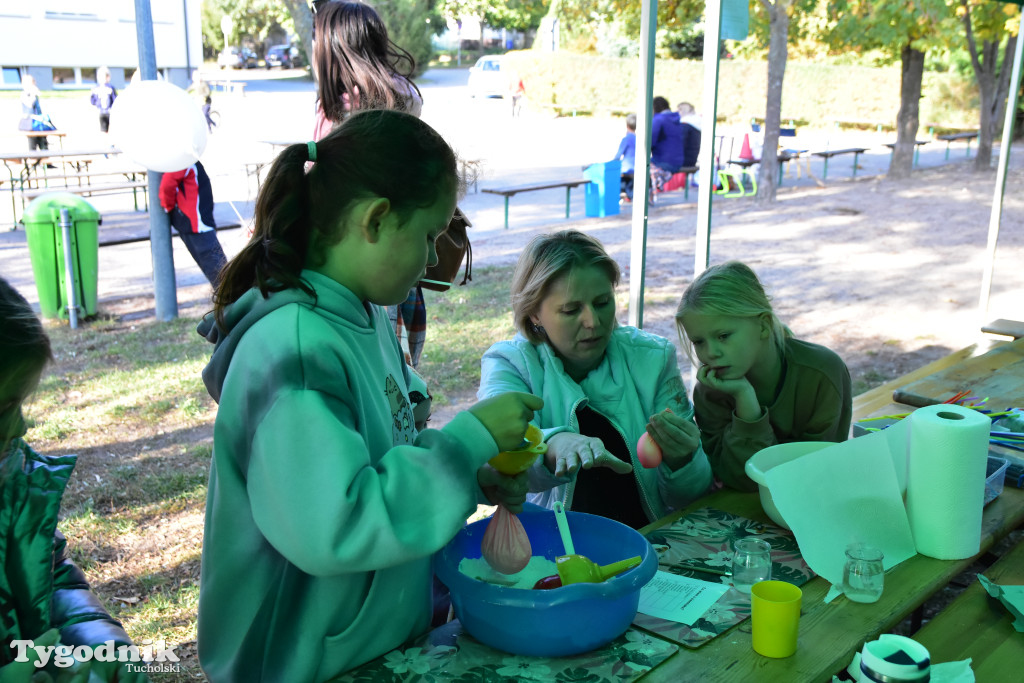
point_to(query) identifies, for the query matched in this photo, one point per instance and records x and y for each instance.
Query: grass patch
(464, 322)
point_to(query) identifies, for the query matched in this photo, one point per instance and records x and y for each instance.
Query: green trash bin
(46, 250)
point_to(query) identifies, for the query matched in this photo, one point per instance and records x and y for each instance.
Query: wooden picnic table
(978, 627)
(34, 160)
(830, 633)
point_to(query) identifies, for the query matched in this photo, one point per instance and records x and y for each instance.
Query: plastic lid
(46, 208)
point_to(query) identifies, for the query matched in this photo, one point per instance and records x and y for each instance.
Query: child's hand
(677, 437)
(506, 416)
(569, 452)
(747, 406)
(502, 489)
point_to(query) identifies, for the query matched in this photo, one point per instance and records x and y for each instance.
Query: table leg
(506, 212)
(947, 150)
(567, 191)
(14, 207)
(968, 155)
(824, 172)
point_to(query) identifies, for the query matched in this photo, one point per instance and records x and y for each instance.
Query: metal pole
(997, 199)
(69, 269)
(188, 57)
(706, 158)
(164, 285)
(642, 165)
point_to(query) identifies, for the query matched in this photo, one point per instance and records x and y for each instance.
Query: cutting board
(997, 374)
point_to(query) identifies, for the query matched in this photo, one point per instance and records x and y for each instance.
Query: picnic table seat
(513, 190)
(827, 154)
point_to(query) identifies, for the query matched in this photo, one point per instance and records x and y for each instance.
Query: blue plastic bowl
(550, 623)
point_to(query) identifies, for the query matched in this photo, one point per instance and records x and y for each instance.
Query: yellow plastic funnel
(519, 460)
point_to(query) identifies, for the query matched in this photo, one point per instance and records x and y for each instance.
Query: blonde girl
(756, 384)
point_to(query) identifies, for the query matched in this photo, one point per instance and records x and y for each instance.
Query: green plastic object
(46, 250)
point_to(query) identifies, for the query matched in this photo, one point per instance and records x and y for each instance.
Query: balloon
(158, 126)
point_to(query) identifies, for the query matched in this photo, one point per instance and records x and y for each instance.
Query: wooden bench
(977, 626)
(917, 149)
(230, 87)
(89, 190)
(829, 153)
(507, 192)
(115, 236)
(679, 179)
(131, 174)
(1004, 328)
(952, 137)
(863, 125)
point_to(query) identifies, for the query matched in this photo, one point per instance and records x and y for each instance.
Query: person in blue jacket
(44, 597)
(627, 153)
(603, 385)
(103, 96)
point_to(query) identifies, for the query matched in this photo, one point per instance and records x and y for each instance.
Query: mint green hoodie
(324, 504)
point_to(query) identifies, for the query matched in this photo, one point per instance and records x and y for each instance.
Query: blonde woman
(604, 385)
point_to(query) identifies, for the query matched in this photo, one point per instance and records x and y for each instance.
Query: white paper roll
(948, 452)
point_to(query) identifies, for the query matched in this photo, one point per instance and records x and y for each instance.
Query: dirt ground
(886, 273)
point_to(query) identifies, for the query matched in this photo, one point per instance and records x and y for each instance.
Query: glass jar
(751, 563)
(863, 573)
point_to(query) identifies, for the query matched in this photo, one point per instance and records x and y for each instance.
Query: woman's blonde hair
(545, 259)
(731, 289)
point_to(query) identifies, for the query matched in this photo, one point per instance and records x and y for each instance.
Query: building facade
(64, 42)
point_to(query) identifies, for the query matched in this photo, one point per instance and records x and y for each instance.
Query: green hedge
(819, 94)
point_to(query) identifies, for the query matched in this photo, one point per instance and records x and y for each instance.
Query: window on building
(89, 75)
(63, 75)
(11, 75)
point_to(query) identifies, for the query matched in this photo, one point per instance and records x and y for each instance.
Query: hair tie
(311, 147)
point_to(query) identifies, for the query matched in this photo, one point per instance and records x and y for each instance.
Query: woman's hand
(742, 391)
(506, 416)
(677, 437)
(503, 489)
(569, 451)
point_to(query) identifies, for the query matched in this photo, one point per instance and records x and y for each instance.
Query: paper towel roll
(948, 452)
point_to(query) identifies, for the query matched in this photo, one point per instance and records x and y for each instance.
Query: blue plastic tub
(550, 623)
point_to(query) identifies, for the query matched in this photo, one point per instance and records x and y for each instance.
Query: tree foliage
(514, 15)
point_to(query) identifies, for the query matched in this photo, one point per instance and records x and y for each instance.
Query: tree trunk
(302, 17)
(987, 93)
(1003, 85)
(778, 53)
(907, 121)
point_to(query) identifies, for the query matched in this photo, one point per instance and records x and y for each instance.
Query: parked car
(279, 55)
(487, 78)
(237, 58)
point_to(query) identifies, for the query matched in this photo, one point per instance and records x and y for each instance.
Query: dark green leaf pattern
(625, 659)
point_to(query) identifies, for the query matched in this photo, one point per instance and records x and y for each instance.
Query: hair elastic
(311, 146)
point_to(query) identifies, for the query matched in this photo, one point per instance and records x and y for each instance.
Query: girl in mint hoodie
(325, 502)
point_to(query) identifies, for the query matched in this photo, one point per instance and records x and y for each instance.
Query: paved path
(510, 151)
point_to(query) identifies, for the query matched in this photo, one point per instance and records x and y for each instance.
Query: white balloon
(158, 126)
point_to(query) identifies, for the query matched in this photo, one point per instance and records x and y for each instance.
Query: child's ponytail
(300, 214)
(276, 254)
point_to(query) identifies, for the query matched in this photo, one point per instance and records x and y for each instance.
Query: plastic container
(601, 194)
(994, 477)
(550, 623)
(767, 458)
(46, 251)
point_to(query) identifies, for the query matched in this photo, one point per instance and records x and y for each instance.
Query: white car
(488, 78)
